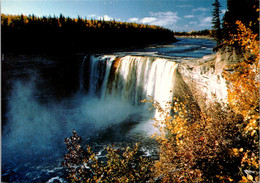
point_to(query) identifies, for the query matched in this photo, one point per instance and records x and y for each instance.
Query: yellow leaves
(168, 118)
(251, 159)
(237, 152)
(244, 179)
(243, 95)
(230, 180)
(249, 178)
(245, 38)
(144, 100)
(253, 132)
(224, 178)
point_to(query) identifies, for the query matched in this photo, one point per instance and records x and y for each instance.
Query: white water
(135, 78)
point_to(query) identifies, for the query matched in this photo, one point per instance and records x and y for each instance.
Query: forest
(34, 34)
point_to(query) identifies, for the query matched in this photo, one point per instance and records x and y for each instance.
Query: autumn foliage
(244, 92)
(121, 165)
(243, 96)
(222, 145)
(200, 150)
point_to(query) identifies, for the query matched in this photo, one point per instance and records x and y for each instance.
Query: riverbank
(194, 36)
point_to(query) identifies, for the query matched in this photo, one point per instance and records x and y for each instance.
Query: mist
(36, 127)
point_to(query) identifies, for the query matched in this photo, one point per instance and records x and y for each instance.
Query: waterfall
(132, 78)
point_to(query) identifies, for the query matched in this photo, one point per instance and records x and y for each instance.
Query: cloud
(189, 16)
(206, 21)
(200, 9)
(134, 19)
(166, 19)
(148, 20)
(107, 18)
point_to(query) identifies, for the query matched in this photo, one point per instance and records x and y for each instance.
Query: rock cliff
(205, 78)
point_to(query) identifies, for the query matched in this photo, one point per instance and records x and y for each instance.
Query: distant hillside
(61, 34)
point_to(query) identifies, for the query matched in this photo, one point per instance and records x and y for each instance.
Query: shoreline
(193, 36)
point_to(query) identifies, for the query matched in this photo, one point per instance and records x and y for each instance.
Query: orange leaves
(244, 179)
(244, 92)
(243, 96)
(237, 152)
(201, 139)
(246, 39)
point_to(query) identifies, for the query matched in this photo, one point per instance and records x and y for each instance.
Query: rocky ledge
(205, 77)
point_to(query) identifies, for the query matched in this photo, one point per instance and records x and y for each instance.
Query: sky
(176, 15)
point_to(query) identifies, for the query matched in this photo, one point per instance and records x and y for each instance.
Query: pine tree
(216, 22)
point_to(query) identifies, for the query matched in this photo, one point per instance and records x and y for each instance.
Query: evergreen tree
(247, 11)
(216, 22)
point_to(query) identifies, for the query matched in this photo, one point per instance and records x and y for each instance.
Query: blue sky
(177, 15)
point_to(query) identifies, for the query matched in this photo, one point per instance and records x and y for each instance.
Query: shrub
(78, 161)
(197, 150)
(122, 165)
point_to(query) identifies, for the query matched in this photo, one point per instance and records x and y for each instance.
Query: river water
(106, 112)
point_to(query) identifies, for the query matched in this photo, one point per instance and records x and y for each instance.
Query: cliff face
(205, 78)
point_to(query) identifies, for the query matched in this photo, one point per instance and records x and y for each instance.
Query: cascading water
(132, 78)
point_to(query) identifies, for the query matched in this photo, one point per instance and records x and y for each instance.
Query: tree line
(59, 34)
(205, 32)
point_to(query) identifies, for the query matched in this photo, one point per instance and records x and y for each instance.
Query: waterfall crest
(132, 78)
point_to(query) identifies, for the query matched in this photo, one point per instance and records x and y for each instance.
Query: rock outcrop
(205, 77)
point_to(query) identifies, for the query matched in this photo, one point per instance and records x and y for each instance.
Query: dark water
(184, 48)
(36, 123)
